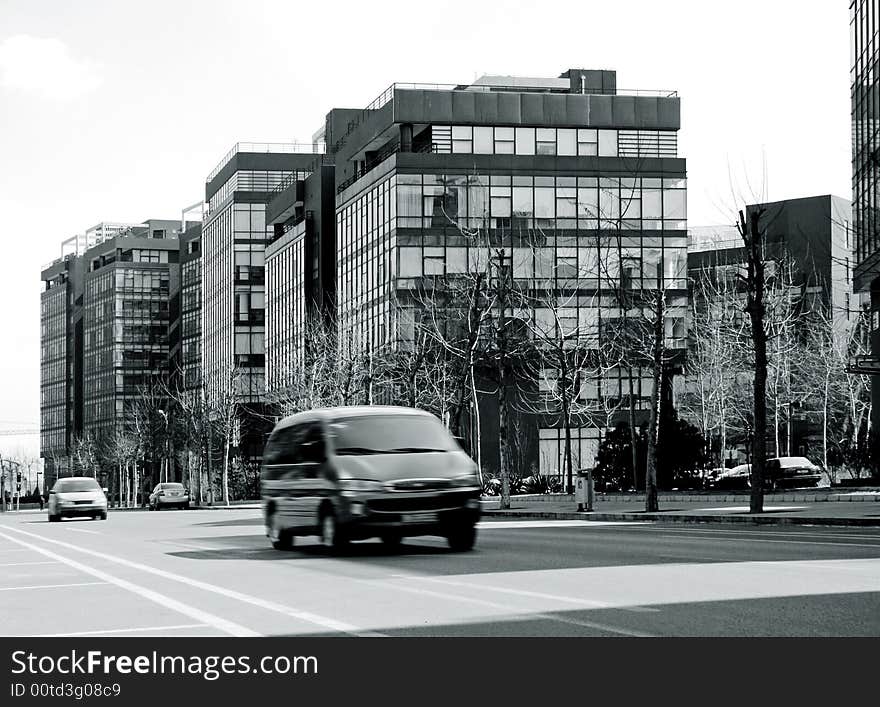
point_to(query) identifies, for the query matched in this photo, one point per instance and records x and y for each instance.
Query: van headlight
(472, 478)
(354, 486)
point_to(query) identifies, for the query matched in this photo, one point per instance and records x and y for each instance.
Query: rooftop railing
(388, 94)
(268, 147)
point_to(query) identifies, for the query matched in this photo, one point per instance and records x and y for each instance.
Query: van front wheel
(462, 538)
(281, 538)
(332, 536)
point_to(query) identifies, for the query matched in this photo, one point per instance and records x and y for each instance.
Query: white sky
(118, 110)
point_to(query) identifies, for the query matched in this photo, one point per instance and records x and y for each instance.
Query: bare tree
(225, 410)
(121, 451)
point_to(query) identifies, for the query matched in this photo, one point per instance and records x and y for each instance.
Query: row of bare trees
(766, 351)
(166, 433)
(535, 335)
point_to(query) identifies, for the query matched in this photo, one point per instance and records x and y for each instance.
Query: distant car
(735, 478)
(168, 495)
(77, 496)
(791, 472)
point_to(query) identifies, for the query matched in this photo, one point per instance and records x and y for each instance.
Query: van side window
(312, 447)
(282, 446)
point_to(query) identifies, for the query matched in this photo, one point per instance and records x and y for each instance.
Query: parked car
(734, 479)
(77, 496)
(791, 472)
(350, 473)
(168, 495)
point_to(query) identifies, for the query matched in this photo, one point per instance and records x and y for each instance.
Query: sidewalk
(809, 507)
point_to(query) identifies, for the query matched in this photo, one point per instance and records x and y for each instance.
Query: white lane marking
(807, 540)
(53, 586)
(143, 629)
(20, 564)
(217, 622)
(589, 603)
(316, 619)
(506, 609)
(83, 530)
(746, 509)
(186, 545)
(661, 584)
(499, 524)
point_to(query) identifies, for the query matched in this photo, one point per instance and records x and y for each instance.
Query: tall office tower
(189, 361)
(233, 243)
(865, 91)
(108, 318)
(130, 283)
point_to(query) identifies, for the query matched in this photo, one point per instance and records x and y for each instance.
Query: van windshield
(389, 434)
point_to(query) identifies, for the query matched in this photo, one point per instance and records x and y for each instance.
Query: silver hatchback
(77, 496)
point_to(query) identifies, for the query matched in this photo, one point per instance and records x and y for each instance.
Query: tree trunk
(210, 469)
(503, 453)
(226, 470)
(651, 499)
(478, 436)
(755, 308)
(825, 427)
(633, 434)
(566, 421)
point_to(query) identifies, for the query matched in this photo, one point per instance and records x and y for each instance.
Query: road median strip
(678, 517)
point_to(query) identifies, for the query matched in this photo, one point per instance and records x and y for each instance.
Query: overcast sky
(118, 110)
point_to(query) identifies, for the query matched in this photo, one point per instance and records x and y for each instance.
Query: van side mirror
(105, 491)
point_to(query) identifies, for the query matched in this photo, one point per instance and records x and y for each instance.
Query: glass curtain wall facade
(590, 216)
(285, 309)
(865, 108)
(54, 372)
(865, 41)
(233, 315)
(126, 336)
(191, 314)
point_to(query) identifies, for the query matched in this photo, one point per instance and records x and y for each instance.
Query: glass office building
(864, 75)
(580, 185)
(190, 352)
(129, 285)
(233, 243)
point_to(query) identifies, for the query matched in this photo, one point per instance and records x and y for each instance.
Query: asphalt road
(212, 573)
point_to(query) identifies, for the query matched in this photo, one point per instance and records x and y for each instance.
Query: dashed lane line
(167, 602)
(524, 524)
(22, 564)
(506, 608)
(802, 538)
(587, 603)
(107, 632)
(324, 622)
(53, 586)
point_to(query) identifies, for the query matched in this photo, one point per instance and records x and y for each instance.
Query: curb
(820, 496)
(670, 518)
